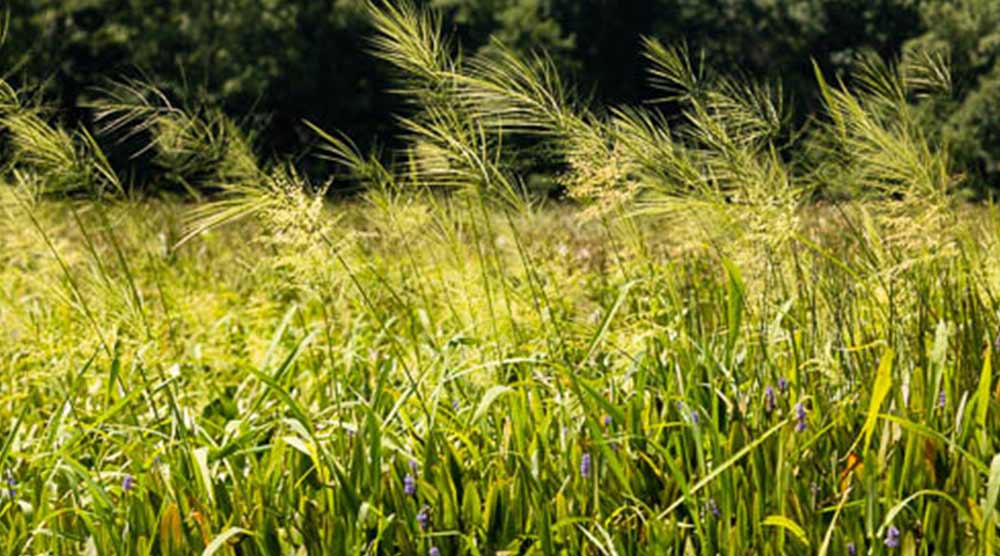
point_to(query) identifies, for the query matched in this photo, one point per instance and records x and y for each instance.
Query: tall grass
(692, 357)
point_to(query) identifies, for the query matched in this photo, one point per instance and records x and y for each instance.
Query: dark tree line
(272, 63)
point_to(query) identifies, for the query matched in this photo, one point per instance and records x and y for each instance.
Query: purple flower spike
(770, 399)
(434, 551)
(128, 483)
(851, 549)
(714, 508)
(800, 417)
(607, 421)
(414, 466)
(892, 537)
(782, 384)
(694, 417)
(424, 518)
(585, 466)
(942, 399)
(409, 485)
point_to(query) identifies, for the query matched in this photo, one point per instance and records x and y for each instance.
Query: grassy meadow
(731, 337)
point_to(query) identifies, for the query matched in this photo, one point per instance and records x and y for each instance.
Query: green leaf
(983, 391)
(734, 310)
(890, 516)
(222, 539)
(930, 433)
(723, 467)
(990, 502)
(940, 350)
(602, 330)
(489, 397)
(883, 383)
(200, 457)
(9, 441)
(788, 524)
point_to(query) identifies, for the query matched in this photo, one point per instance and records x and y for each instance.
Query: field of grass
(489, 385)
(694, 354)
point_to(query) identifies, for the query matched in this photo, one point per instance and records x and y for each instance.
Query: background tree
(274, 63)
(968, 31)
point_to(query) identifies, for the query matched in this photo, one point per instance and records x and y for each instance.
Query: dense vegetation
(742, 336)
(272, 64)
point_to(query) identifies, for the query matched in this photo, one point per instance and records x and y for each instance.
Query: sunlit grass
(238, 392)
(692, 356)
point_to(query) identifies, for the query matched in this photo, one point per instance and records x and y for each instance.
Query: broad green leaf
(983, 391)
(883, 383)
(200, 457)
(789, 525)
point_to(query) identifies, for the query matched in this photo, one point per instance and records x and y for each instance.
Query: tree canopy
(273, 64)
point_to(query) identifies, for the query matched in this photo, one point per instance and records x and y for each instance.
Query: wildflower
(851, 549)
(409, 485)
(434, 551)
(770, 400)
(607, 421)
(714, 508)
(454, 405)
(800, 417)
(892, 537)
(942, 399)
(694, 417)
(782, 384)
(585, 466)
(128, 483)
(424, 518)
(414, 466)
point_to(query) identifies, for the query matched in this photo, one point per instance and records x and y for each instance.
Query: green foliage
(691, 359)
(281, 62)
(266, 411)
(524, 25)
(969, 31)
